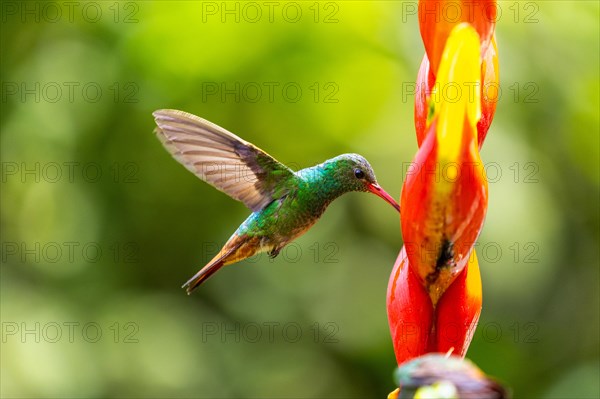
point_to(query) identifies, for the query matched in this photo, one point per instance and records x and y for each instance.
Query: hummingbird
(442, 376)
(284, 203)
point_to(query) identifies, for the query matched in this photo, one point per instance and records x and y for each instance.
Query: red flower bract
(410, 311)
(489, 92)
(425, 84)
(434, 293)
(443, 208)
(417, 327)
(458, 310)
(437, 18)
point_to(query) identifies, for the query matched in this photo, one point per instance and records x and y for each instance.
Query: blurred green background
(100, 226)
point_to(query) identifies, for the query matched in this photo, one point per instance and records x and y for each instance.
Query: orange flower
(434, 294)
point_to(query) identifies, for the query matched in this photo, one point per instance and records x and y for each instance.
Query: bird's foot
(273, 253)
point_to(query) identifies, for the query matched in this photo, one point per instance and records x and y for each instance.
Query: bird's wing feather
(222, 159)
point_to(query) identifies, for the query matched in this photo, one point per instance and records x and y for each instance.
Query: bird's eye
(359, 174)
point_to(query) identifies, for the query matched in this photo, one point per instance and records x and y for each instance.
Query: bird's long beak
(380, 192)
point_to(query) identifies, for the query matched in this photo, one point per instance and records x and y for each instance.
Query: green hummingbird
(284, 203)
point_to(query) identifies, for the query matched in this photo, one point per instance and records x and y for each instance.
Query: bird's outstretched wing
(222, 159)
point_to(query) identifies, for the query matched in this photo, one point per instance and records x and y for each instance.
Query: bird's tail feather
(203, 274)
(226, 256)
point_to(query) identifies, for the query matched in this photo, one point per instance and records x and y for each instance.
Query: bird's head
(356, 174)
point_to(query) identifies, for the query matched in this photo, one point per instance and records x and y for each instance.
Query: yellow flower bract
(460, 67)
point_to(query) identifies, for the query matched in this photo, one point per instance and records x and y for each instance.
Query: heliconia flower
(458, 310)
(410, 311)
(489, 94)
(437, 18)
(444, 197)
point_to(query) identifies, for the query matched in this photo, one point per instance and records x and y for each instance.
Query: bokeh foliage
(156, 224)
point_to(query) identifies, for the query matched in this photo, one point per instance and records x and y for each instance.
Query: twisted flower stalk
(434, 293)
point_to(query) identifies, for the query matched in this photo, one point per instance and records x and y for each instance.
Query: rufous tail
(227, 255)
(203, 274)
